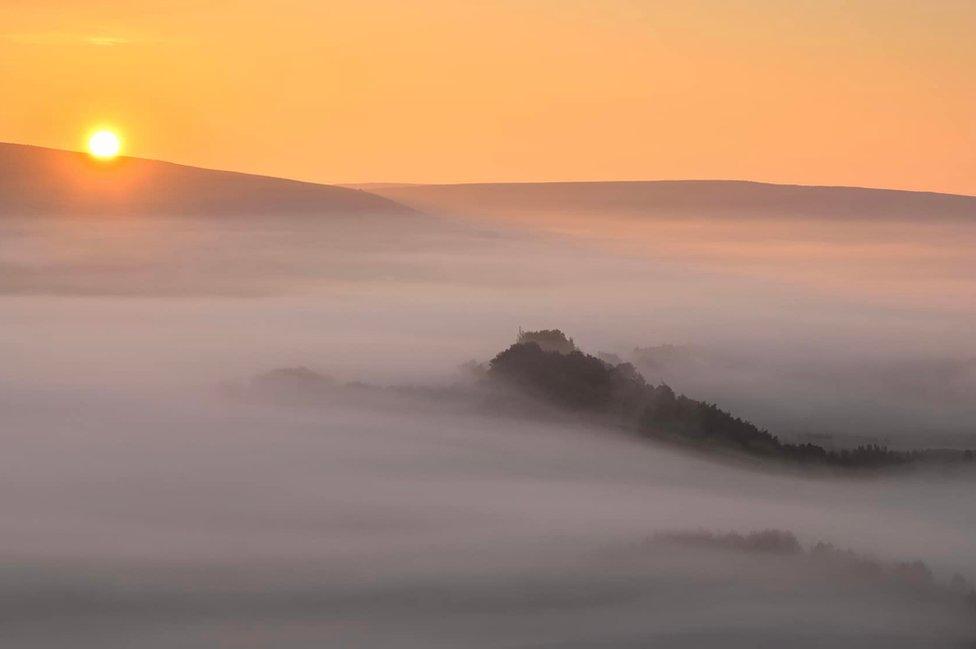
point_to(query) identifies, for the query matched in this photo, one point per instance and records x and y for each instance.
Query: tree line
(576, 381)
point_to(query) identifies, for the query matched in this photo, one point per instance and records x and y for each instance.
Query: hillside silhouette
(36, 181)
(580, 383)
(675, 198)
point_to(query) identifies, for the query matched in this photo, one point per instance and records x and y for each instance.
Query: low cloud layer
(195, 520)
(143, 504)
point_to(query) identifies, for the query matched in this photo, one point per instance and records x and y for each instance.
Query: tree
(550, 340)
(580, 382)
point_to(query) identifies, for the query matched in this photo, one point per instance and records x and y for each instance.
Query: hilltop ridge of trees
(550, 340)
(829, 561)
(575, 381)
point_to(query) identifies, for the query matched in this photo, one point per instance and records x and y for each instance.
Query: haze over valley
(814, 322)
(160, 494)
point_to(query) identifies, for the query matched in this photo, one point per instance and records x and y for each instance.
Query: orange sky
(870, 92)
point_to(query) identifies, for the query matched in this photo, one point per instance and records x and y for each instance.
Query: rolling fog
(850, 331)
(143, 506)
(175, 519)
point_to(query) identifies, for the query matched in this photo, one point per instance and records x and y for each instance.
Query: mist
(194, 519)
(862, 333)
(147, 503)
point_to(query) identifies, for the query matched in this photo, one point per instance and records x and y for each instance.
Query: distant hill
(36, 181)
(683, 198)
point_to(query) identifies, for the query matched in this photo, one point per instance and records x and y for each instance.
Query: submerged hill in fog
(36, 181)
(546, 367)
(578, 382)
(683, 198)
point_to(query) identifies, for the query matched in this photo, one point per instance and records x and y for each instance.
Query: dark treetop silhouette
(575, 381)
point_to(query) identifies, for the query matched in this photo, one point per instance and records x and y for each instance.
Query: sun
(104, 144)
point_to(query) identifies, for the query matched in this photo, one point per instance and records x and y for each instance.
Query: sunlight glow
(104, 145)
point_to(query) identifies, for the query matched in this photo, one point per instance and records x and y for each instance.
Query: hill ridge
(656, 181)
(688, 198)
(37, 181)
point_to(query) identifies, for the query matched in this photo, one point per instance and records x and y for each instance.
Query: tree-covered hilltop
(830, 561)
(576, 381)
(550, 340)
